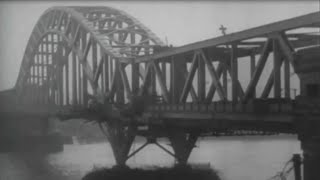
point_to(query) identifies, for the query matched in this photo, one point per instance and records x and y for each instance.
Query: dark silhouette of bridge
(101, 64)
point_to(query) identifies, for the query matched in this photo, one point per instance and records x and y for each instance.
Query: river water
(241, 158)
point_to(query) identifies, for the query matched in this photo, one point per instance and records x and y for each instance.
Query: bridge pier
(182, 144)
(310, 144)
(120, 138)
(311, 158)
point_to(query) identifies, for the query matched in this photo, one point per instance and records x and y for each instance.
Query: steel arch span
(75, 53)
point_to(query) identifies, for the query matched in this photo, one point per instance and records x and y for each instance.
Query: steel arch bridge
(88, 47)
(101, 63)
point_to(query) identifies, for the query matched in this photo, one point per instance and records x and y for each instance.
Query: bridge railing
(253, 106)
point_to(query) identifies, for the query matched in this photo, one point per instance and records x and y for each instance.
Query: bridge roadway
(101, 64)
(268, 115)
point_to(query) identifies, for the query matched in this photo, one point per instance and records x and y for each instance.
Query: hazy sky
(181, 22)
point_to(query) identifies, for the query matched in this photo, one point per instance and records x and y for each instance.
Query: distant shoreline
(258, 137)
(207, 138)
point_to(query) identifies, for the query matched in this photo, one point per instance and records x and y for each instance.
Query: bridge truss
(83, 61)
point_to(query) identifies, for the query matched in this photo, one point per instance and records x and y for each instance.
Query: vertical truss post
(164, 71)
(34, 87)
(120, 138)
(94, 59)
(79, 82)
(111, 72)
(106, 72)
(135, 78)
(134, 68)
(101, 72)
(84, 77)
(201, 80)
(45, 63)
(37, 67)
(60, 74)
(182, 144)
(152, 75)
(51, 76)
(252, 68)
(66, 59)
(225, 79)
(277, 69)
(234, 72)
(287, 78)
(45, 71)
(74, 78)
(119, 84)
(177, 76)
(41, 94)
(32, 72)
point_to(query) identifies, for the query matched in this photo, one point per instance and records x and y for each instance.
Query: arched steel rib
(47, 23)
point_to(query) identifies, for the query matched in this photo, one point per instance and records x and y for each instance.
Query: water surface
(241, 158)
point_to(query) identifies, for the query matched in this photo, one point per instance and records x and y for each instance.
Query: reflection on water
(245, 158)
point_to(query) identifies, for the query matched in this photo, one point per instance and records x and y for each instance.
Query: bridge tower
(307, 66)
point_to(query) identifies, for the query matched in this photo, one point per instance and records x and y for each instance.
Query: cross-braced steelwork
(75, 53)
(101, 63)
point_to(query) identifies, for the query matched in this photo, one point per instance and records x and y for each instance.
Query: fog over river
(241, 158)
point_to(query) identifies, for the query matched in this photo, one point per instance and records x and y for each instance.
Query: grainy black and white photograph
(160, 90)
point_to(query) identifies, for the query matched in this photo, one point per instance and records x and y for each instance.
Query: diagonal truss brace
(258, 70)
(214, 76)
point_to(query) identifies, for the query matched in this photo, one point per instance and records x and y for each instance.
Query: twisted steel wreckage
(100, 63)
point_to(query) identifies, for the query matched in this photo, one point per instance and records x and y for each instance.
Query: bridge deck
(269, 115)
